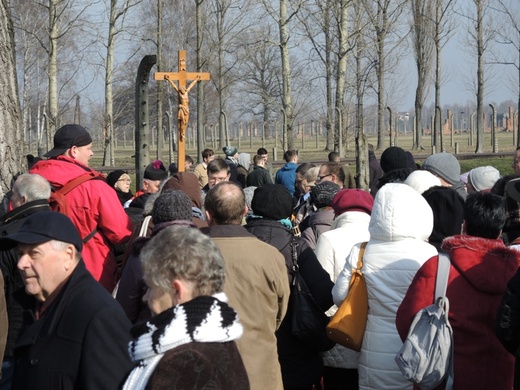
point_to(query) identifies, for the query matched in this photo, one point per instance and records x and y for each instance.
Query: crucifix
(183, 115)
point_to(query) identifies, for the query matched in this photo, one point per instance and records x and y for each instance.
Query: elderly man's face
(44, 268)
(151, 186)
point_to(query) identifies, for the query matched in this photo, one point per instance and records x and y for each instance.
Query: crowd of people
(186, 283)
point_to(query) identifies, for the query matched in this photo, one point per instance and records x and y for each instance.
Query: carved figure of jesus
(183, 115)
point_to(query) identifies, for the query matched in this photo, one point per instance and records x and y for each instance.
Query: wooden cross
(183, 114)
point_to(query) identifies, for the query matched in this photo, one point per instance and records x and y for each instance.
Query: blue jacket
(286, 176)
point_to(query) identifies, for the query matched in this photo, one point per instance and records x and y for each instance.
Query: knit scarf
(204, 319)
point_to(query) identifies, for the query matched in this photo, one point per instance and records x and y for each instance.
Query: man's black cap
(68, 136)
(42, 227)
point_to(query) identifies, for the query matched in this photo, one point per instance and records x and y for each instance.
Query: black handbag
(308, 321)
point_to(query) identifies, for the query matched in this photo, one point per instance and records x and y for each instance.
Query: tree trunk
(341, 73)
(11, 137)
(201, 140)
(160, 130)
(286, 73)
(52, 116)
(480, 76)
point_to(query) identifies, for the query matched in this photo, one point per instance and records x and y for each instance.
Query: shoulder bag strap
(443, 272)
(359, 264)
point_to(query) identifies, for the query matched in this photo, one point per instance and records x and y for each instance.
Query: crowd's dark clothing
(375, 170)
(123, 196)
(136, 208)
(319, 222)
(394, 176)
(79, 342)
(232, 169)
(242, 174)
(3, 322)
(448, 213)
(11, 223)
(258, 177)
(132, 286)
(301, 367)
(508, 323)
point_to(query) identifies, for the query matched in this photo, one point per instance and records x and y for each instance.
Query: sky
(459, 65)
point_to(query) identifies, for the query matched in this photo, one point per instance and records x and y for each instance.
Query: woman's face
(159, 300)
(123, 183)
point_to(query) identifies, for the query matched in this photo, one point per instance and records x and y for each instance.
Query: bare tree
(260, 74)
(118, 11)
(444, 27)
(11, 138)
(283, 17)
(423, 12)
(509, 35)
(384, 17)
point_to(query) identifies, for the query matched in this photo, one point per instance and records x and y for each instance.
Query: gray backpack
(426, 357)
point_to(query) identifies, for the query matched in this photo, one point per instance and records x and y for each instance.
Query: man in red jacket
(93, 206)
(481, 266)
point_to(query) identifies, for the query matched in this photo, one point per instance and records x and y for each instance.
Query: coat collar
(25, 210)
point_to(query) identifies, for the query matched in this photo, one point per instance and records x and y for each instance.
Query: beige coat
(258, 289)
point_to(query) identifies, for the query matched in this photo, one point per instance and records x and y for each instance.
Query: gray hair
(32, 187)
(61, 246)
(183, 253)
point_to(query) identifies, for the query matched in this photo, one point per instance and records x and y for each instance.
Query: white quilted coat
(332, 250)
(399, 229)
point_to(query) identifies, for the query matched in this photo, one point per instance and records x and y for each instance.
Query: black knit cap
(272, 201)
(68, 136)
(323, 193)
(448, 213)
(155, 171)
(114, 176)
(393, 158)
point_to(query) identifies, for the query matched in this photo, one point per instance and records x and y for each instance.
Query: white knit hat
(421, 181)
(483, 178)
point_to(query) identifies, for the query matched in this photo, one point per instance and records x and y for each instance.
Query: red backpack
(58, 200)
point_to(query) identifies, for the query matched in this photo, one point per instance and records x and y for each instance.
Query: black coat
(301, 367)
(80, 342)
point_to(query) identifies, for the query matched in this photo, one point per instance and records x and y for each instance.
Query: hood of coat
(60, 170)
(477, 258)
(400, 213)
(289, 167)
(244, 159)
(188, 183)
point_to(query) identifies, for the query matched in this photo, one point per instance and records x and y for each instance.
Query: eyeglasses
(320, 178)
(127, 180)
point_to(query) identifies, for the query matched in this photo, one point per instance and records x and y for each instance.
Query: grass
(312, 150)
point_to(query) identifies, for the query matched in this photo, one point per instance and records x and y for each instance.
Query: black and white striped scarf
(203, 319)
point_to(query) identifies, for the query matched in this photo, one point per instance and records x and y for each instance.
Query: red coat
(479, 272)
(92, 205)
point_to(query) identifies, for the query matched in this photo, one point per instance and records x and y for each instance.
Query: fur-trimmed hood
(476, 258)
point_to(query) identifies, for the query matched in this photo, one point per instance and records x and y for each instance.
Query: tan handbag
(347, 326)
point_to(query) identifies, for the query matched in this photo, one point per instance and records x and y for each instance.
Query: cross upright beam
(183, 115)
